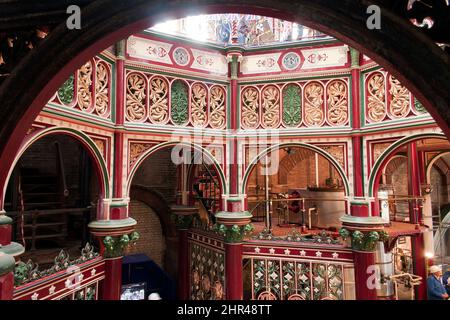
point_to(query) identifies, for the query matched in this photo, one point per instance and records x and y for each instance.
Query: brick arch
(289, 162)
(87, 143)
(433, 161)
(393, 165)
(383, 159)
(157, 202)
(340, 170)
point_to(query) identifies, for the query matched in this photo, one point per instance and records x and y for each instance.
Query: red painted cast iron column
(183, 216)
(113, 278)
(415, 215)
(7, 263)
(363, 266)
(233, 274)
(119, 207)
(364, 260)
(9, 251)
(358, 207)
(235, 214)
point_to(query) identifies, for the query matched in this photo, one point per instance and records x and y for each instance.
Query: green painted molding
(354, 55)
(4, 219)
(115, 245)
(7, 263)
(112, 224)
(14, 249)
(363, 241)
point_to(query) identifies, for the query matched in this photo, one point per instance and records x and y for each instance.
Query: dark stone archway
(398, 46)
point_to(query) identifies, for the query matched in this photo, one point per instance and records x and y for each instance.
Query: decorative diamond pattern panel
(207, 273)
(277, 279)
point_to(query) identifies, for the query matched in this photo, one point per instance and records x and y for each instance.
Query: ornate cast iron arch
(313, 148)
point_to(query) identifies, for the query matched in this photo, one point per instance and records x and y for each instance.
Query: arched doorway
(52, 195)
(156, 184)
(301, 187)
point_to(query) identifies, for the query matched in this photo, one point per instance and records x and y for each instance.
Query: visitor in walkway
(446, 280)
(435, 288)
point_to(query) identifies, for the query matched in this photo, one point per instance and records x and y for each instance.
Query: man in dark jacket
(435, 288)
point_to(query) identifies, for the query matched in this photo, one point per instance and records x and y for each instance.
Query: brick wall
(295, 172)
(159, 173)
(152, 240)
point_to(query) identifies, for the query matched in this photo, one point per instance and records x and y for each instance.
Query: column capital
(183, 216)
(234, 57)
(116, 245)
(233, 225)
(363, 232)
(120, 49)
(115, 235)
(354, 57)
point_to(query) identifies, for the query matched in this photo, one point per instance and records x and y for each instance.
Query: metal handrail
(61, 168)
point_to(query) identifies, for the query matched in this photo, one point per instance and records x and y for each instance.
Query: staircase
(42, 217)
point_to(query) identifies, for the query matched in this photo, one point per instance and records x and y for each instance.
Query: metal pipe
(266, 185)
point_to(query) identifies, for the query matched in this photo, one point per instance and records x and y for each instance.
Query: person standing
(446, 280)
(435, 288)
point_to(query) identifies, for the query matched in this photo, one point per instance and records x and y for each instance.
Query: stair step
(48, 224)
(46, 236)
(41, 204)
(35, 194)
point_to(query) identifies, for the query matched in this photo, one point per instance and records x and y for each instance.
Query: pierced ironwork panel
(207, 273)
(284, 279)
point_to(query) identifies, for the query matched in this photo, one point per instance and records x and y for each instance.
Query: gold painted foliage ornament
(217, 107)
(101, 89)
(198, 106)
(399, 106)
(159, 107)
(314, 114)
(337, 103)
(271, 107)
(376, 107)
(135, 98)
(84, 86)
(250, 110)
